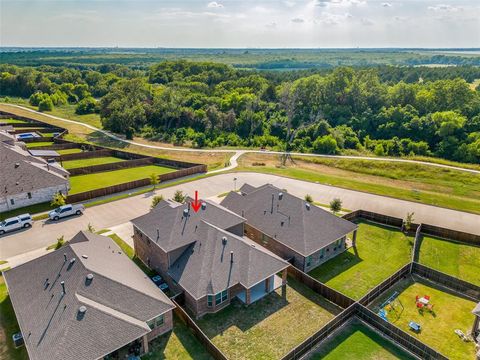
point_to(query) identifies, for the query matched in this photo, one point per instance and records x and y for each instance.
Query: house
(85, 301)
(204, 255)
(289, 226)
(26, 180)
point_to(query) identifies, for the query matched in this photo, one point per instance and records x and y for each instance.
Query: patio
(259, 291)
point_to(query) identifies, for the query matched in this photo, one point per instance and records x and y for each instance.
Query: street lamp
(234, 184)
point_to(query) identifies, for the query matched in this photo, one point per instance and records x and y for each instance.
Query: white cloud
(366, 22)
(386, 4)
(271, 25)
(297, 20)
(214, 5)
(339, 3)
(332, 19)
(444, 8)
(289, 3)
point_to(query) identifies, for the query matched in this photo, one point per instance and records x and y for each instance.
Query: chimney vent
(72, 261)
(65, 257)
(307, 206)
(231, 256)
(63, 287)
(280, 196)
(89, 279)
(185, 212)
(204, 205)
(224, 240)
(17, 165)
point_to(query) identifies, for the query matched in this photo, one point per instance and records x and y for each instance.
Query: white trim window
(156, 322)
(220, 298)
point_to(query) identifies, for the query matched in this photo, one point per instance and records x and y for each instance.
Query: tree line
(426, 112)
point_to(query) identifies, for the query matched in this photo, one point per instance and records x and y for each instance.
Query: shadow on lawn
(241, 316)
(336, 266)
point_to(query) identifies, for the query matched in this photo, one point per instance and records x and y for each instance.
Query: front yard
(270, 327)
(381, 250)
(88, 182)
(450, 312)
(452, 258)
(359, 342)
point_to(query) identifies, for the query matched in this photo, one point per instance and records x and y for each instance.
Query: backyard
(73, 164)
(357, 341)
(270, 327)
(89, 182)
(69, 151)
(39, 144)
(449, 313)
(382, 250)
(8, 327)
(452, 258)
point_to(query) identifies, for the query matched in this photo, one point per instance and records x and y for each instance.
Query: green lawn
(270, 327)
(73, 164)
(359, 342)
(8, 327)
(180, 344)
(451, 312)
(88, 182)
(13, 121)
(40, 143)
(381, 250)
(69, 151)
(32, 209)
(452, 258)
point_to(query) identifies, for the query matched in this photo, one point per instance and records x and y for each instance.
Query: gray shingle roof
(21, 172)
(119, 300)
(167, 226)
(206, 266)
(289, 220)
(476, 311)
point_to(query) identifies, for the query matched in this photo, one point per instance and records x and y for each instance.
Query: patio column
(284, 283)
(476, 322)
(354, 240)
(145, 343)
(267, 285)
(247, 296)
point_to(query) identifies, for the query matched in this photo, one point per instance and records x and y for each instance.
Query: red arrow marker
(196, 204)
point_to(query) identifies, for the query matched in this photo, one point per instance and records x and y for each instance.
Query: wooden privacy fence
(460, 236)
(183, 172)
(55, 146)
(328, 293)
(306, 346)
(216, 353)
(36, 139)
(87, 195)
(404, 339)
(85, 155)
(468, 289)
(111, 166)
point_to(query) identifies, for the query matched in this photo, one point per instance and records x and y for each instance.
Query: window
(29, 195)
(151, 324)
(209, 300)
(219, 298)
(309, 260)
(157, 322)
(322, 253)
(12, 202)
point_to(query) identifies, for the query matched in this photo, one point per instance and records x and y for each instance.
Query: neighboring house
(85, 301)
(205, 255)
(289, 226)
(26, 180)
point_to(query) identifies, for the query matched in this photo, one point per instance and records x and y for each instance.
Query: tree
(407, 222)
(90, 228)
(60, 242)
(156, 200)
(179, 197)
(336, 205)
(86, 106)
(154, 180)
(308, 198)
(58, 199)
(325, 145)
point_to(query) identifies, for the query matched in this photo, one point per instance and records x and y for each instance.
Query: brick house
(204, 255)
(289, 226)
(26, 180)
(86, 300)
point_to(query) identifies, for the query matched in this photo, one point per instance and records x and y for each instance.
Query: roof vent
(63, 287)
(204, 205)
(281, 223)
(231, 256)
(85, 256)
(17, 165)
(65, 257)
(72, 261)
(280, 196)
(185, 212)
(90, 277)
(224, 240)
(307, 205)
(81, 312)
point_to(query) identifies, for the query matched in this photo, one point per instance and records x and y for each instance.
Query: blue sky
(247, 23)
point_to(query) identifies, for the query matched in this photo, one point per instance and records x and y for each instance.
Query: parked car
(157, 279)
(15, 223)
(66, 210)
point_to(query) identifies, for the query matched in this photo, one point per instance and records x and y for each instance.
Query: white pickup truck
(15, 223)
(66, 210)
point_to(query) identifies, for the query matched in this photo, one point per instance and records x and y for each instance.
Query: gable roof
(476, 311)
(119, 300)
(205, 267)
(303, 228)
(21, 172)
(170, 229)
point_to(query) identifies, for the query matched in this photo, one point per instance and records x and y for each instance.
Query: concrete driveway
(44, 233)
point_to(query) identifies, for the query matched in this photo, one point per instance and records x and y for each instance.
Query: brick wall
(150, 254)
(167, 326)
(325, 254)
(200, 307)
(37, 197)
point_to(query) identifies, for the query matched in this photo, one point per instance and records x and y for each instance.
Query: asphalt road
(44, 233)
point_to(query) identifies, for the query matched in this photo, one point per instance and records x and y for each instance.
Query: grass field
(381, 252)
(179, 344)
(88, 182)
(414, 182)
(73, 164)
(69, 151)
(8, 327)
(451, 312)
(359, 342)
(13, 121)
(39, 144)
(270, 327)
(452, 258)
